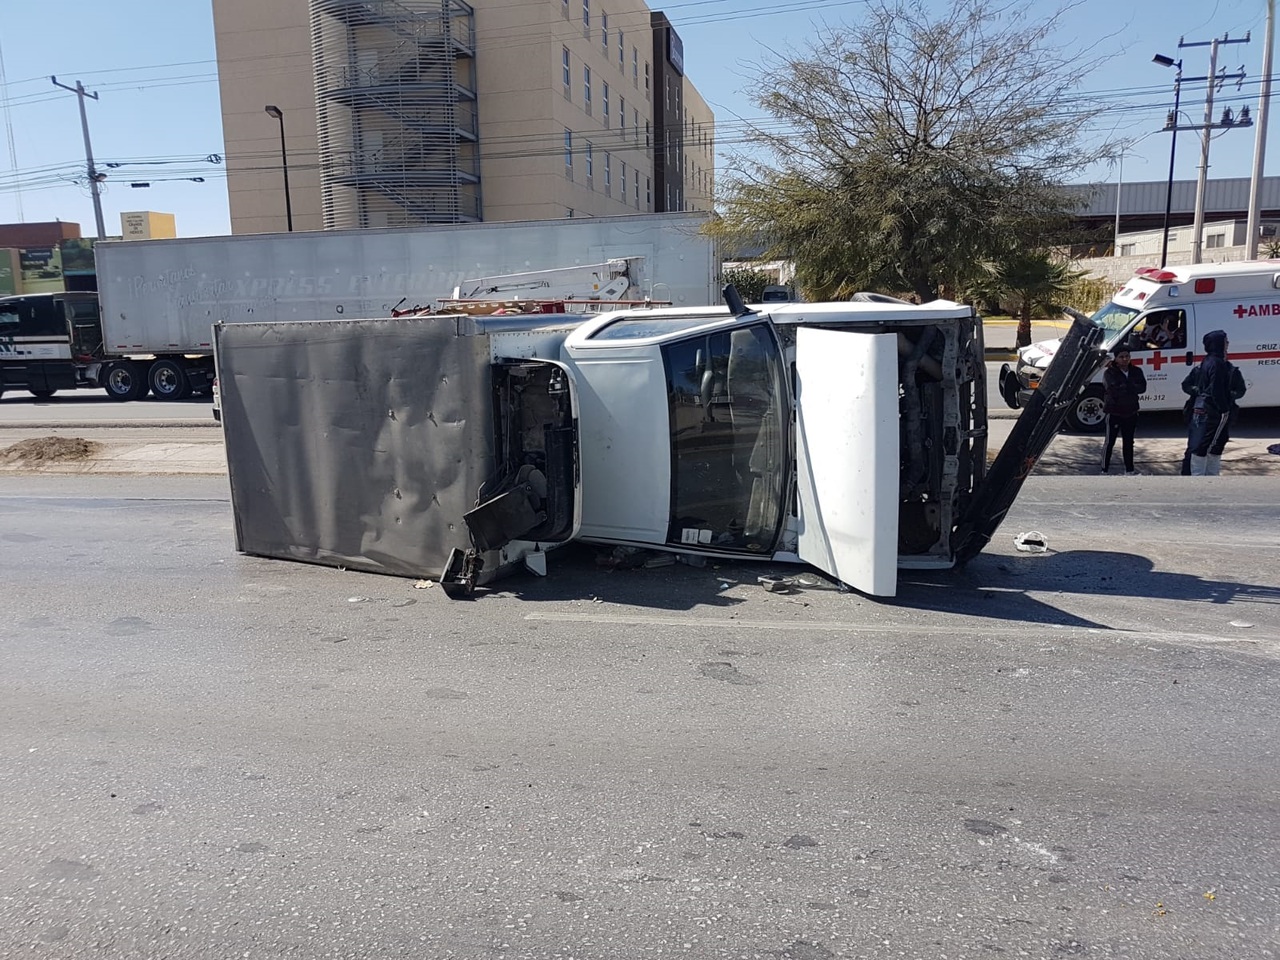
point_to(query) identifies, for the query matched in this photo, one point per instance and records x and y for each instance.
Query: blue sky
(152, 63)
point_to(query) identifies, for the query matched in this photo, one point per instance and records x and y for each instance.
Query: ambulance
(1169, 310)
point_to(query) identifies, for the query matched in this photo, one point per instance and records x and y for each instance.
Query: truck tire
(1085, 414)
(43, 394)
(169, 380)
(124, 381)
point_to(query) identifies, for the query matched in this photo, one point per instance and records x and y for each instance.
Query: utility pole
(1260, 140)
(95, 179)
(1197, 229)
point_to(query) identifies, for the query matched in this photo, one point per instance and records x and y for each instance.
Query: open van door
(847, 456)
(1083, 351)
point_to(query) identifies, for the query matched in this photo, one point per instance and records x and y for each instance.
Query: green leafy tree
(749, 282)
(911, 147)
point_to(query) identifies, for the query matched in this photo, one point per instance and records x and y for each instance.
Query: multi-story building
(400, 112)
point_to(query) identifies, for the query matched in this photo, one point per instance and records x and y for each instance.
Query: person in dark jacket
(1124, 384)
(1214, 386)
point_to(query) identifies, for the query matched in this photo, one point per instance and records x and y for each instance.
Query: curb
(109, 424)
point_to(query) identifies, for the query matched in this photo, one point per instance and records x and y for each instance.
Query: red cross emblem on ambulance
(1158, 360)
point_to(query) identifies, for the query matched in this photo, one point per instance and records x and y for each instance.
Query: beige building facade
(402, 112)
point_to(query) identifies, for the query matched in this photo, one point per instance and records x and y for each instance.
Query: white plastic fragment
(1031, 541)
(1242, 623)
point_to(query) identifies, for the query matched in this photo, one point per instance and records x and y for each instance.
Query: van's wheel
(169, 380)
(124, 381)
(43, 394)
(1086, 415)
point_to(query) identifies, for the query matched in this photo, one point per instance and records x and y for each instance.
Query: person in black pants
(1214, 386)
(1124, 384)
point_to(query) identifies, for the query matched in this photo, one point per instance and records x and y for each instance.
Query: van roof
(1187, 272)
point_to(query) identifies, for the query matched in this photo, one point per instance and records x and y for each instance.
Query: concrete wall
(264, 57)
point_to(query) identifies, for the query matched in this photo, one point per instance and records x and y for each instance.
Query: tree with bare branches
(913, 148)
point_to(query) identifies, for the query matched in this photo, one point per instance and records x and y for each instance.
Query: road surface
(1071, 754)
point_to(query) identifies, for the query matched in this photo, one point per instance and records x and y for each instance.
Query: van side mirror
(1191, 357)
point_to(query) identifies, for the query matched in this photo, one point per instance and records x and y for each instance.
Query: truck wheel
(124, 381)
(1085, 415)
(43, 394)
(169, 380)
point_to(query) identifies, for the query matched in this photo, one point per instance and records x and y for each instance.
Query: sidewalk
(999, 336)
(121, 457)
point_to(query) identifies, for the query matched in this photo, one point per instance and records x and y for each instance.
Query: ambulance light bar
(1156, 275)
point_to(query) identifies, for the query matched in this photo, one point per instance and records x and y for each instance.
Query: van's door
(847, 456)
(1082, 353)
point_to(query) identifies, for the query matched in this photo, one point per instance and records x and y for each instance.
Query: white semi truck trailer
(150, 329)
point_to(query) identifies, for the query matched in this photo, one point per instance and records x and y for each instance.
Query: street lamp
(278, 114)
(1171, 126)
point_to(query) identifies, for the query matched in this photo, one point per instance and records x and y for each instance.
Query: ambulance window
(8, 323)
(1162, 330)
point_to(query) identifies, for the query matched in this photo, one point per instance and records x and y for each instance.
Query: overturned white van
(851, 436)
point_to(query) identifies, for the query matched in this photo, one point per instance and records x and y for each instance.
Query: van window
(727, 399)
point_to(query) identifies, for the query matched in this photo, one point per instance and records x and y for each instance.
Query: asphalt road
(207, 755)
(20, 409)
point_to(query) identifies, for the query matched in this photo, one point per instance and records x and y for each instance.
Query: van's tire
(169, 380)
(124, 380)
(1085, 415)
(43, 394)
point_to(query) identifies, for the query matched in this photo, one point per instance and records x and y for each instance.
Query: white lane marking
(1112, 633)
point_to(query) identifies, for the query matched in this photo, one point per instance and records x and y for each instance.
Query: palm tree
(1031, 280)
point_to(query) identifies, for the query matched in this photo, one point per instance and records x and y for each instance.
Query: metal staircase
(397, 124)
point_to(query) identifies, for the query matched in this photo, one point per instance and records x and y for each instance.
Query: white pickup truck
(850, 436)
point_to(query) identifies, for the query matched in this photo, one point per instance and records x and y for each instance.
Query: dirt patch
(50, 450)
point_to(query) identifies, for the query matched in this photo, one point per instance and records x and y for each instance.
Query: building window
(586, 14)
(648, 192)
(564, 9)
(622, 63)
(635, 124)
(648, 133)
(637, 189)
(604, 32)
(668, 93)
(635, 67)
(564, 69)
(669, 204)
(604, 103)
(1215, 240)
(622, 181)
(608, 176)
(1128, 249)
(568, 153)
(591, 167)
(622, 116)
(646, 77)
(586, 89)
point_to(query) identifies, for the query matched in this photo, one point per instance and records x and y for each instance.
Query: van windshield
(1114, 319)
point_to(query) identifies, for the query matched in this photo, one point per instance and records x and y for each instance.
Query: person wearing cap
(1214, 386)
(1124, 384)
